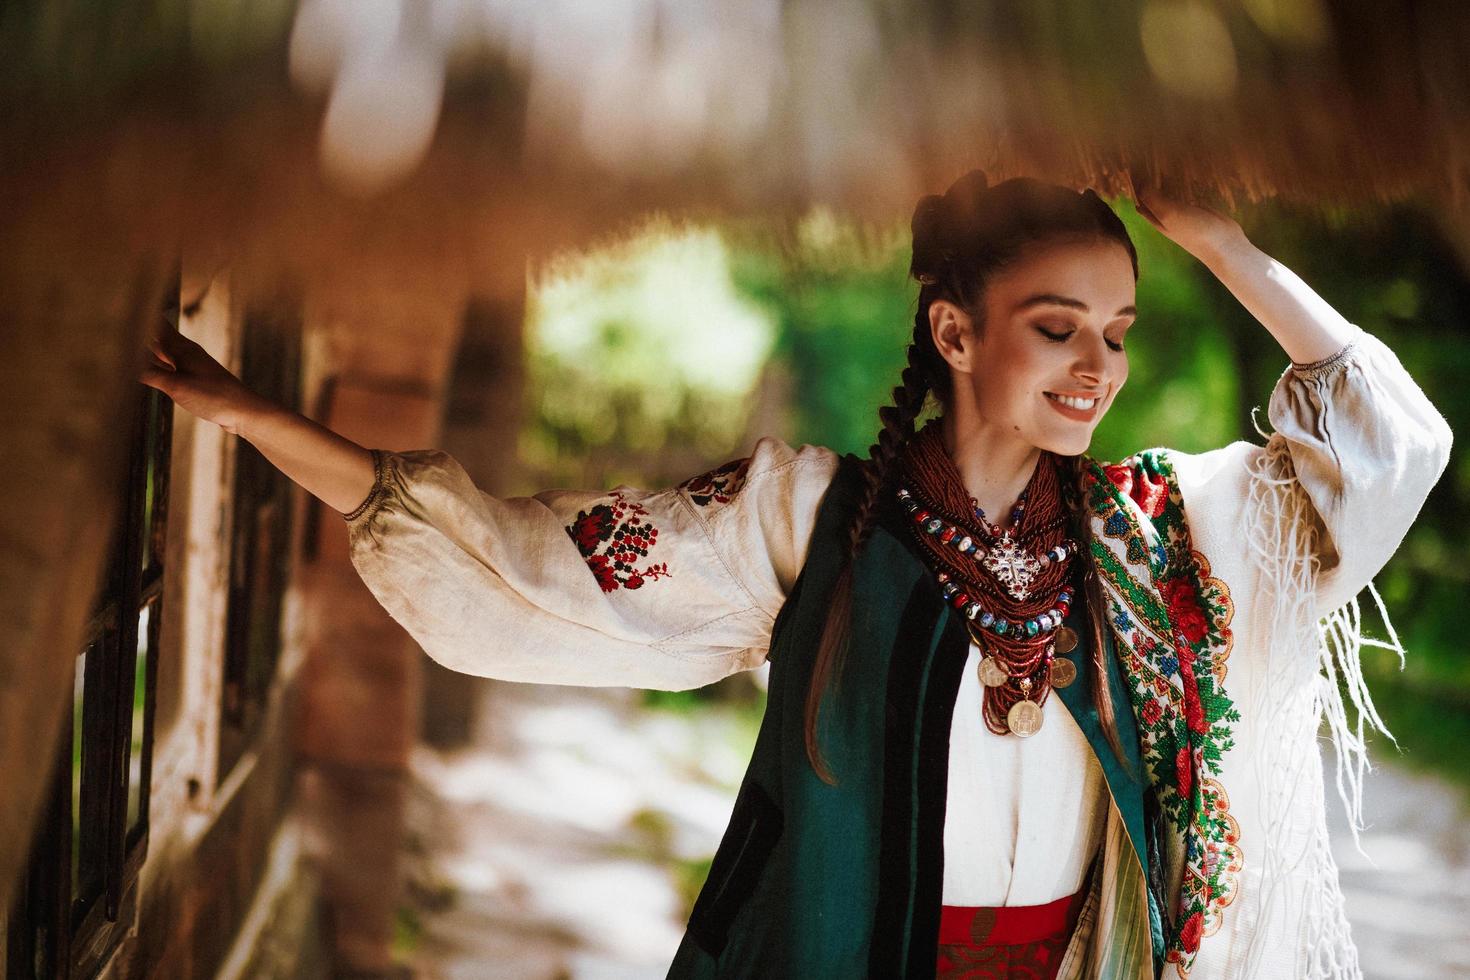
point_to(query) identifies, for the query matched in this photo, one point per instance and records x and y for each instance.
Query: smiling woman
(918, 803)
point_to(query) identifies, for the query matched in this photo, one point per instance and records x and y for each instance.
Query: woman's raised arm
(1303, 323)
(327, 465)
(1358, 445)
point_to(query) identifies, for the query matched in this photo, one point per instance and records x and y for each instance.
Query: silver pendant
(1012, 566)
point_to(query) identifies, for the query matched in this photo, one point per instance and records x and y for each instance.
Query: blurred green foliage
(837, 293)
(85, 56)
(643, 358)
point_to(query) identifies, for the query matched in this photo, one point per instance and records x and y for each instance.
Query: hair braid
(898, 420)
(898, 428)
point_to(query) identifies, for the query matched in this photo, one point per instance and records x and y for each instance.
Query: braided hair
(961, 240)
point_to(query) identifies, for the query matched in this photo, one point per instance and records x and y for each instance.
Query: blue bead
(986, 619)
(1032, 628)
(1000, 627)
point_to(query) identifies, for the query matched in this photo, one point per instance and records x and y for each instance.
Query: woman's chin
(1067, 444)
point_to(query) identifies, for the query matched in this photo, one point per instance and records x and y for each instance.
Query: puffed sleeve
(670, 589)
(1356, 449)
(1367, 446)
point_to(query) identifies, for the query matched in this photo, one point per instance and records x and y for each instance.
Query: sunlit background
(582, 244)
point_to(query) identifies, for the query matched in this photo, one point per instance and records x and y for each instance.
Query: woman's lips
(1071, 412)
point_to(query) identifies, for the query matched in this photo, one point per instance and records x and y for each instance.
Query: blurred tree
(644, 359)
(839, 296)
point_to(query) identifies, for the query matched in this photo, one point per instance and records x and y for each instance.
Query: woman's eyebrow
(1052, 299)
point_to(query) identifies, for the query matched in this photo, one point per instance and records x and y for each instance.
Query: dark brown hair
(960, 241)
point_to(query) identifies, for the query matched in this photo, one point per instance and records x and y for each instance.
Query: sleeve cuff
(375, 496)
(1318, 369)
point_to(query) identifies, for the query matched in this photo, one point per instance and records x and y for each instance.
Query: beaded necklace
(1012, 585)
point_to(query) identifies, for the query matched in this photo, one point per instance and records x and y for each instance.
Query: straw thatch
(273, 124)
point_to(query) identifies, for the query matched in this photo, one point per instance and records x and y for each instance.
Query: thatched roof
(461, 131)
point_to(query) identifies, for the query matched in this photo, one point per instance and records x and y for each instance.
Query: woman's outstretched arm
(665, 588)
(327, 465)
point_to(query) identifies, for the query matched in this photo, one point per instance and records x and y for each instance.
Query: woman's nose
(1091, 361)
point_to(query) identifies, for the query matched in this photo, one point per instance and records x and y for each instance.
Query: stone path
(556, 846)
(1408, 892)
(565, 844)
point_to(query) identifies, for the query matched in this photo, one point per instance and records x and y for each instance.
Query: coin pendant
(1063, 672)
(991, 673)
(1024, 718)
(1066, 639)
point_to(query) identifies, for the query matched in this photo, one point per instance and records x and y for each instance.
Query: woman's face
(1049, 360)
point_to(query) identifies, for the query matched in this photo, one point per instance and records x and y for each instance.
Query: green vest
(812, 880)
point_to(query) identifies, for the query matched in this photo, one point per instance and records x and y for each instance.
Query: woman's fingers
(169, 341)
(155, 377)
(1148, 214)
(1139, 188)
(161, 356)
(1178, 214)
(176, 345)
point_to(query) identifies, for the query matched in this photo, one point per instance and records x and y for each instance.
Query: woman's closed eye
(1066, 335)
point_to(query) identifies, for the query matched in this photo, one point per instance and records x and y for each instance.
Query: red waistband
(1008, 925)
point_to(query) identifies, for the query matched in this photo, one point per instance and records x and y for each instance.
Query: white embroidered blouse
(675, 588)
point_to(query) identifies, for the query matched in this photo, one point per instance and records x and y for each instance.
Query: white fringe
(1281, 526)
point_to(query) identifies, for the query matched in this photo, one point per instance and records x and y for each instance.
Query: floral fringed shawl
(1171, 624)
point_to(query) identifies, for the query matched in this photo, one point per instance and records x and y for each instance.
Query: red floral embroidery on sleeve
(719, 485)
(614, 537)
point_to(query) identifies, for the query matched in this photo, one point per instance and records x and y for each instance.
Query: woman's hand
(196, 382)
(1200, 230)
(1305, 325)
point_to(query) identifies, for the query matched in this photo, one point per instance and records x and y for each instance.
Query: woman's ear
(954, 334)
